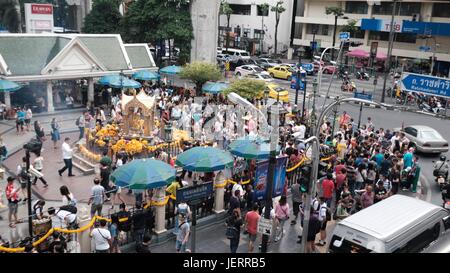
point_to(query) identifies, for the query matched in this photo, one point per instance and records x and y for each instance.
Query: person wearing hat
(12, 194)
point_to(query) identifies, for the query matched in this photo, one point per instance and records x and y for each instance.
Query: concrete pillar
(90, 90)
(50, 107)
(7, 100)
(219, 193)
(160, 212)
(84, 239)
(204, 16)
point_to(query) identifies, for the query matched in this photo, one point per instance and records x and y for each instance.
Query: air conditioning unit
(416, 17)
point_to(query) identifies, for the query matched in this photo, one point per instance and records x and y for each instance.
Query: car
(281, 71)
(278, 93)
(309, 68)
(267, 62)
(329, 69)
(317, 64)
(425, 139)
(248, 69)
(219, 50)
(260, 76)
(223, 57)
(295, 68)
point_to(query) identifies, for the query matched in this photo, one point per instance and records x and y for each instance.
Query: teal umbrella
(204, 159)
(9, 86)
(144, 174)
(214, 87)
(119, 81)
(250, 148)
(171, 70)
(146, 75)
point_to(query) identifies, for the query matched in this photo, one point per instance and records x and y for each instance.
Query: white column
(219, 192)
(90, 90)
(160, 215)
(7, 100)
(83, 237)
(50, 97)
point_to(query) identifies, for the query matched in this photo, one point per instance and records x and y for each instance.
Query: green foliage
(264, 8)
(225, 8)
(155, 20)
(278, 9)
(103, 18)
(9, 16)
(200, 72)
(351, 27)
(247, 88)
(336, 11)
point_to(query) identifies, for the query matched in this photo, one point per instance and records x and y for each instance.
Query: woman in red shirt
(12, 194)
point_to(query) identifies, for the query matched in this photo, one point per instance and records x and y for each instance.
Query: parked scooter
(360, 75)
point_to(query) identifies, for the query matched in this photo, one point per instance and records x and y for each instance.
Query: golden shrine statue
(138, 114)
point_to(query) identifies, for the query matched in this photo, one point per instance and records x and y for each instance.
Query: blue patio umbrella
(119, 81)
(251, 148)
(146, 75)
(171, 70)
(144, 174)
(214, 87)
(8, 86)
(204, 159)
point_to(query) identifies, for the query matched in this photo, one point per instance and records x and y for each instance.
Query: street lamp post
(299, 65)
(387, 65)
(168, 138)
(335, 111)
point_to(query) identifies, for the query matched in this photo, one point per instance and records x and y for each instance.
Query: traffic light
(347, 44)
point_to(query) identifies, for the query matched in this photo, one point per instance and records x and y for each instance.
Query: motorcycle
(440, 177)
(362, 75)
(348, 86)
(437, 109)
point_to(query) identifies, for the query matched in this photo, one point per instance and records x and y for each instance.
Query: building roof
(388, 218)
(26, 57)
(140, 56)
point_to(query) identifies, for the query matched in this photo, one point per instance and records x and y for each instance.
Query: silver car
(425, 139)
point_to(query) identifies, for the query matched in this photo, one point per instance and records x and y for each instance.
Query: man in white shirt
(67, 156)
(62, 218)
(101, 237)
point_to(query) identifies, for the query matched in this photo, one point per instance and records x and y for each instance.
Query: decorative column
(84, 218)
(219, 191)
(91, 90)
(50, 107)
(7, 100)
(160, 212)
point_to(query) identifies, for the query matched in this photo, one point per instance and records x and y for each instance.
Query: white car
(244, 70)
(267, 62)
(294, 67)
(260, 76)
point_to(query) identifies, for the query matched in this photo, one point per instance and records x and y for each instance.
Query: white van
(237, 54)
(398, 224)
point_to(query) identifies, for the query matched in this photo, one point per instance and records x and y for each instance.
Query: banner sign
(428, 85)
(404, 26)
(260, 184)
(381, 25)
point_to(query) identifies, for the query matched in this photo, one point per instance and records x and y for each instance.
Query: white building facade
(406, 45)
(249, 26)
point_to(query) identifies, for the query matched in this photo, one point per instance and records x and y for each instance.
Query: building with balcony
(409, 43)
(253, 30)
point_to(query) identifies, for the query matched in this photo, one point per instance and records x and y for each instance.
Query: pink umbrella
(381, 56)
(358, 53)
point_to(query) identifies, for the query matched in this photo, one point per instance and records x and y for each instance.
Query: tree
(199, 73)
(103, 18)
(10, 15)
(278, 9)
(155, 21)
(247, 88)
(352, 28)
(337, 12)
(264, 10)
(226, 10)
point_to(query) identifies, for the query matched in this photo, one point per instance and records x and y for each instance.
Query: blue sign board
(426, 28)
(260, 184)
(197, 192)
(313, 45)
(424, 48)
(428, 85)
(308, 66)
(294, 83)
(362, 95)
(344, 35)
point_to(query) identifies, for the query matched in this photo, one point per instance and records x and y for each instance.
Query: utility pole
(387, 65)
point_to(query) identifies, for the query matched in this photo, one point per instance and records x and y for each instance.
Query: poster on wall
(260, 184)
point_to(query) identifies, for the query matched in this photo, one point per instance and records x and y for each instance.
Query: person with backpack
(183, 235)
(102, 238)
(67, 196)
(324, 216)
(233, 232)
(81, 123)
(281, 216)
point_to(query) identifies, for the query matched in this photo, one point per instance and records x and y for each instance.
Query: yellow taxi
(278, 93)
(281, 72)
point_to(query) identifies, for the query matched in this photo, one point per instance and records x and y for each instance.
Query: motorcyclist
(446, 194)
(442, 166)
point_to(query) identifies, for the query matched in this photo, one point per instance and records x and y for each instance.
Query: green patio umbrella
(144, 174)
(204, 159)
(8, 86)
(250, 148)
